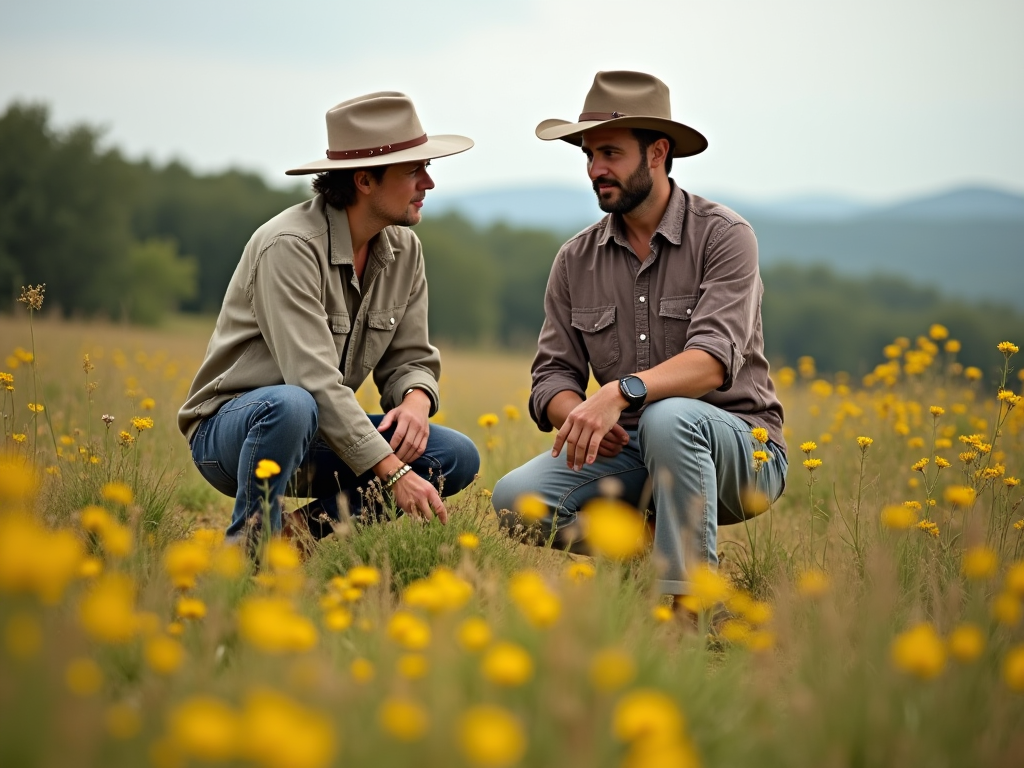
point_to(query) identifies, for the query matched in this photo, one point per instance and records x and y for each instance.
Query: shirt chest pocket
(600, 334)
(676, 313)
(381, 325)
(340, 328)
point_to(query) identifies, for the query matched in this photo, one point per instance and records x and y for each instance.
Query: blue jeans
(700, 460)
(280, 423)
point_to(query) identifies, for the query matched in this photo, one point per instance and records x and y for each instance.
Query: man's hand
(412, 426)
(417, 497)
(591, 427)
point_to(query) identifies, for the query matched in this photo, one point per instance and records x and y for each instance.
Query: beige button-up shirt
(286, 320)
(698, 288)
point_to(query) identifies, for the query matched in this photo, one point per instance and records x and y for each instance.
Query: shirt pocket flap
(591, 320)
(385, 319)
(678, 307)
(339, 323)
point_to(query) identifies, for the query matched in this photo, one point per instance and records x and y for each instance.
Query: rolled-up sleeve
(410, 360)
(561, 361)
(725, 317)
(285, 290)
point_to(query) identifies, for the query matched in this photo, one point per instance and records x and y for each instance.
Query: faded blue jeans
(700, 460)
(280, 423)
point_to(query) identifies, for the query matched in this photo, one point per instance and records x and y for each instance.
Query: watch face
(635, 386)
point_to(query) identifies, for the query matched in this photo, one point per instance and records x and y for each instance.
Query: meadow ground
(876, 607)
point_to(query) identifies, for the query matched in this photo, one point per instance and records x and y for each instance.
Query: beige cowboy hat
(379, 129)
(626, 100)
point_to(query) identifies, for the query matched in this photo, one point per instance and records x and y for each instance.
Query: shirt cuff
(367, 452)
(724, 351)
(544, 393)
(413, 380)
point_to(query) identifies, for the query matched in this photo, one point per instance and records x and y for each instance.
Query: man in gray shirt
(661, 301)
(327, 293)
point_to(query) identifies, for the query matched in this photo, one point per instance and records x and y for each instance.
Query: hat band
(586, 117)
(352, 154)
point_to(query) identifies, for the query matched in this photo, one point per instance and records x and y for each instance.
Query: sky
(876, 99)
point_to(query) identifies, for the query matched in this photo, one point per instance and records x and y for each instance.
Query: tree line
(133, 240)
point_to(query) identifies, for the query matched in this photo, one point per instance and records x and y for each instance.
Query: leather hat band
(588, 116)
(352, 154)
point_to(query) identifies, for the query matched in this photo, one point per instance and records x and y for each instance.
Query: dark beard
(634, 191)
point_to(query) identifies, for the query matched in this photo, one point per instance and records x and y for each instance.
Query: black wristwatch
(634, 390)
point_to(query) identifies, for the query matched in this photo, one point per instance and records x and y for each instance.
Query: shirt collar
(381, 251)
(670, 227)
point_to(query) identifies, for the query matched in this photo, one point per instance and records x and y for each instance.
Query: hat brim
(434, 147)
(688, 141)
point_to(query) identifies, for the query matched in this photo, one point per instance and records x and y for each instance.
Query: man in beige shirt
(326, 293)
(661, 302)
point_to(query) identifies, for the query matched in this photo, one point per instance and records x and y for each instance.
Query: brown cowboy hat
(379, 129)
(626, 100)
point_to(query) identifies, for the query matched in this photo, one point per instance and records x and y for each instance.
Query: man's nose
(426, 182)
(596, 169)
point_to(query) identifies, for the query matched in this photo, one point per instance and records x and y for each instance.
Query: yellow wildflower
(966, 642)
(119, 493)
(580, 571)
(920, 464)
(19, 437)
(473, 634)
(36, 407)
(662, 613)
(190, 608)
(491, 737)
(938, 332)
(808, 446)
(412, 666)
(929, 527)
(760, 434)
(409, 630)
(403, 718)
(898, 517)
(469, 541)
(1014, 579)
(864, 442)
(267, 468)
(1013, 669)
(147, 404)
(107, 612)
(164, 654)
(364, 576)
(972, 373)
(708, 587)
(959, 495)
(919, 651)
(507, 664)
(941, 463)
(952, 346)
(338, 619)
(761, 457)
(538, 603)
(125, 439)
(142, 423)
(611, 669)
(272, 625)
(613, 528)
(812, 583)
(511, 413)
(936, 410)
(531, 507)
(812, 464)
(206, 728)
(488, 420)
(1011, 482)
(648, 715)
(1008, 348)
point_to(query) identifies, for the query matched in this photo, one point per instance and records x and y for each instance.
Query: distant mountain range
(967, 242)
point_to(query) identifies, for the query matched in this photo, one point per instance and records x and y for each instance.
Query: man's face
(619, 172)
(398, 197)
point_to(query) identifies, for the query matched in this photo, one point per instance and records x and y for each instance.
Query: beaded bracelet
(396, 475)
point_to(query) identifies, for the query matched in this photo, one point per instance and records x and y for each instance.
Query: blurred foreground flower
(272, 625)
(267, 468)
(966, 642)
(403, 718)
(535, 600)
(507, 664)
(491, 737)
(613, 528)
(611, 669)
(979, 563)
(919, 651)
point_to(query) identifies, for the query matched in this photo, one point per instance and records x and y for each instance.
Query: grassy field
(876, 608)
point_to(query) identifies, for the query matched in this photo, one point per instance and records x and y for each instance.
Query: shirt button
(689, 311)
(643, 337)
(392, 321)
(642, 299)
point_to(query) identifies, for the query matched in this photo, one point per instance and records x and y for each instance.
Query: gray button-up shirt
(292, 315)
(698, 288)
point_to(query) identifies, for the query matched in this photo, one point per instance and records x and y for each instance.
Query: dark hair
(339, 187)
(645, 137)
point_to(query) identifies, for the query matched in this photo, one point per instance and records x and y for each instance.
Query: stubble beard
(634, 190)
(407, 218)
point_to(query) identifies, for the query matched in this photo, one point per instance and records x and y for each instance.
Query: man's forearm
(561, 406)
(692, 373)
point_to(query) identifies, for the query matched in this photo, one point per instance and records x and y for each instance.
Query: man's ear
(657, 153)
(362, 181)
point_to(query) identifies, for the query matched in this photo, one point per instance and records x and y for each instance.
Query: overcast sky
(877, 99)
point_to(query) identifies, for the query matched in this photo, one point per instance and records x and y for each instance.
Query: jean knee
(461, 464)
